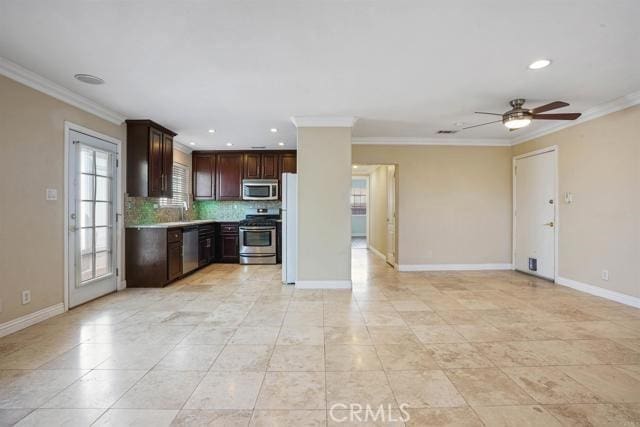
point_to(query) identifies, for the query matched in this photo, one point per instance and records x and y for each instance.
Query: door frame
(556, 229)
(68, 127)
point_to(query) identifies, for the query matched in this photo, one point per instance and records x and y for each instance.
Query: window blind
(180, 187)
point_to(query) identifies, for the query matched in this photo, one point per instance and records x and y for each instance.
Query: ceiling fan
(519, 117)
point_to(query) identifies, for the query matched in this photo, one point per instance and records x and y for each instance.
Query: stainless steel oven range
(258, 240)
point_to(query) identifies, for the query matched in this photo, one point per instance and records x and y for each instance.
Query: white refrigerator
(289, 227)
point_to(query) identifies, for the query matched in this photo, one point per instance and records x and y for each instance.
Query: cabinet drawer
(229, 228)
(174, 235)
(204, 229)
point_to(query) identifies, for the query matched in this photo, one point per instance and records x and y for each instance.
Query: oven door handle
(257, 229)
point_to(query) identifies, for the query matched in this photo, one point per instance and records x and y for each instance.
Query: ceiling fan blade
(483, 112)
(560, 116)
(549, 107)
(488, 123)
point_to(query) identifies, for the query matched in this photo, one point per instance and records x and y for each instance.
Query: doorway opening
(373, 211)
(535, 213)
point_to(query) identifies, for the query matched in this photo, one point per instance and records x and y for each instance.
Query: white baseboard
(323, 284)
(377, 252)
(122, 285)
(599, 292)
(30, 319)
(452, 267)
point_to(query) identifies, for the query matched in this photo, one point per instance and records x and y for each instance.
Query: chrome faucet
(183, 211)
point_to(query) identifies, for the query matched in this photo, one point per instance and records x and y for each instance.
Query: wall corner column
(324, 202)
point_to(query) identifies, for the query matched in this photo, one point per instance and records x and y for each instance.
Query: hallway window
(358, 197)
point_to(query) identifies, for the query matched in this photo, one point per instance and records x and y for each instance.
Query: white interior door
(92, 218)
(535, 218)
(391, 215)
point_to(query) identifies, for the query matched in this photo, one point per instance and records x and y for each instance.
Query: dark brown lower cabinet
(153, 256)
(174, 260)
(206, 245)
(228, 242)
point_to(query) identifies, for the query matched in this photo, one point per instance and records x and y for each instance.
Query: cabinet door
(204, 176)
(270, 166)
(252, 166)
(174, 260)
(167, 164)
(229, 176)
(203, 253)
(288, 163)
(229, 248)
(156, 177)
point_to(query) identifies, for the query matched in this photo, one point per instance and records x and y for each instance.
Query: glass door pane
(95, 211)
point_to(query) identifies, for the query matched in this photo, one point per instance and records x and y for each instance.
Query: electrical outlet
(605, 275)
(26, 296)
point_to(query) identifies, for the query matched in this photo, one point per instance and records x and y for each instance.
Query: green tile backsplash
(143, 210)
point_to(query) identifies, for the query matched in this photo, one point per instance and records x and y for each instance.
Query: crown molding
(592, 113)
(323, 121)
(181, 147)
(484, 142)
(35, 81)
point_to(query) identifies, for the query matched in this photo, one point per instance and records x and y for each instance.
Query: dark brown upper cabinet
(288, 163)
(253, 166)
(270, 166)
(261, 165)
(229, 172)
(149, 159)
(218, 175)
(204, 175)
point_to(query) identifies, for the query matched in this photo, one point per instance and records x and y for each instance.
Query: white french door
(92, 217)
(535, 222)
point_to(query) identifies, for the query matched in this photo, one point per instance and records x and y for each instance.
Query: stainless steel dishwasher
(189, 249)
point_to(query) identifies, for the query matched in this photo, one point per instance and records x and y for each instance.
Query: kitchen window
(180, 187)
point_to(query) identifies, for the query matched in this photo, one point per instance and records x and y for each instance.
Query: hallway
(229, 345)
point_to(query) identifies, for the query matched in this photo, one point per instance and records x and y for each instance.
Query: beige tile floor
(231, 346)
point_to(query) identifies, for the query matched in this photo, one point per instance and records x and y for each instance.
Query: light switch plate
(52, 194)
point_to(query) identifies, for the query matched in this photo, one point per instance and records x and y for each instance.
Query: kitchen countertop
(177, 223)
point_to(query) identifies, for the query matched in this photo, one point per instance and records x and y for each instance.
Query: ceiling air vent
(260, 147)
(446, 132)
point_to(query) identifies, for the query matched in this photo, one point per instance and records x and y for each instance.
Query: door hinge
(117, 163)
(117, 271)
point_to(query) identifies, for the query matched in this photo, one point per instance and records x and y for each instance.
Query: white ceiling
(405, 68)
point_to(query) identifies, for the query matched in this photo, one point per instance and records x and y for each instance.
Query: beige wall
(454, 203)
(31, 228)
(378, 209)
(324, 211)
(599, 162)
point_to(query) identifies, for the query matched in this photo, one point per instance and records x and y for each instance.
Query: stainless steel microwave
(259, 189)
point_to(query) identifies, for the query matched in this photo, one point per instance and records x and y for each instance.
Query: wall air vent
(446, 132)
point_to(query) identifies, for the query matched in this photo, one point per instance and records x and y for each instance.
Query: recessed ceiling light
(355, 166)
(88, 78)
(281, 143)
(212, 131)
(229, 144)
(540, 63)
(192, 143)
(274, 130)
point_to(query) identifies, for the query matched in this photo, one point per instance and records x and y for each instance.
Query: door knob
(550, 224)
